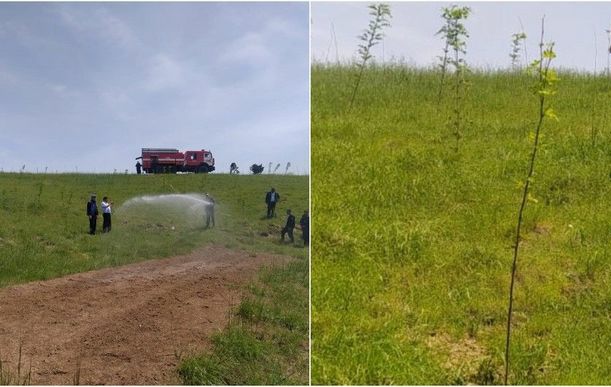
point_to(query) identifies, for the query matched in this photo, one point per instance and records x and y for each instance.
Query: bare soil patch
(127, 325)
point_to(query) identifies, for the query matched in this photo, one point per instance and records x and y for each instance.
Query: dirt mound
(126, 325)
(465, 360)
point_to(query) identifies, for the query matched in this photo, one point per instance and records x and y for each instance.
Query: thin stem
(525, 51)
(457, 100)
(542, 73)
(444, 66)
(376, 25)
(356, 86)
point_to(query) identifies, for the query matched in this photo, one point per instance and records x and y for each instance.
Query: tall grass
(409, 269)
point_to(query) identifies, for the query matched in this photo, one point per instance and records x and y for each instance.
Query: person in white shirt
(106, 211)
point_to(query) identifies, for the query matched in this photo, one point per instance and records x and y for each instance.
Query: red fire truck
(166, 160)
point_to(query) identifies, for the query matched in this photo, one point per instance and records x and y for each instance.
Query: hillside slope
(44, 228)
(412, 238)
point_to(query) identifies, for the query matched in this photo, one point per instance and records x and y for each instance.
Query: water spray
(166, 210)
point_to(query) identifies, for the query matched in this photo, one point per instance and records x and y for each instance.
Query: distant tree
(257, 169)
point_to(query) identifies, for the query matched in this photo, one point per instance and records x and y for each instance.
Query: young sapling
(454, 35)
(516, 43)
(545, 86)
(608, 31)
(380, 19)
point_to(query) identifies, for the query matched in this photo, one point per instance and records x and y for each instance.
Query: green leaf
(532, 198)
(551, 114)
(552, 76)
(549, 54)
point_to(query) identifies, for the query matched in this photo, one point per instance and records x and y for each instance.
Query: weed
(487, 373)
(76, 379)
(8, 377)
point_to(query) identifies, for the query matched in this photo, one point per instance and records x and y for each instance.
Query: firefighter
(92, 213)
(106, 210)
(304, 222)
(138, 168)
(209, 210)
(288, 228)
(271, 198)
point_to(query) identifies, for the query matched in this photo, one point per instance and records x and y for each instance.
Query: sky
(85, 86)
(577, 29)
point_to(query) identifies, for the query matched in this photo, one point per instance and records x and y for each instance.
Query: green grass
(44, 234)
(266, 341)
(44, 228)
(412, 239)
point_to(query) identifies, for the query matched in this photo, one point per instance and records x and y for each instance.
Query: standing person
(271, 198)
(106, 210)
(138, 168)
(304, 222)
(209, 210)
(92, 213)
(288, 228)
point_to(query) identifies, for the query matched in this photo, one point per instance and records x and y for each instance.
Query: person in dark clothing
(288, 228)
(304, 222)
(138, 168)
(271, 198)
(92, 213)
(209, 210)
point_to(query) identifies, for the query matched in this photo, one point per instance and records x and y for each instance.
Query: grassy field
(43, 225)
(44, 234)
(413, 238)
(266, 341)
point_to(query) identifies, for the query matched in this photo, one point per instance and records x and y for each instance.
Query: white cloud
(164, 73)
(250, 47)
(7, 77)
(100, 23)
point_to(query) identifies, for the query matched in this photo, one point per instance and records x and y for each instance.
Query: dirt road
(127, 325)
